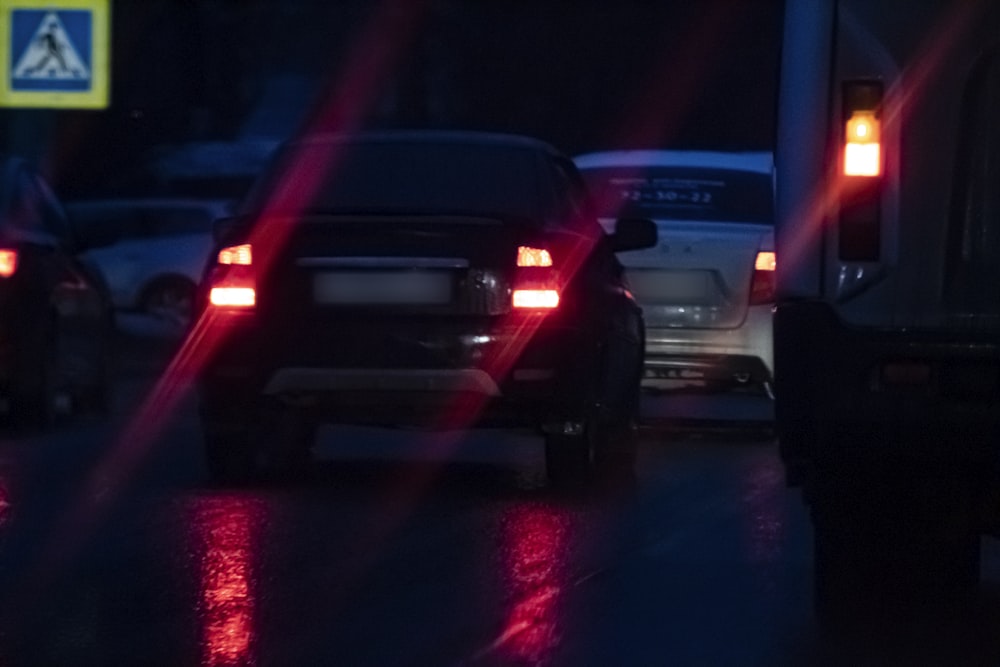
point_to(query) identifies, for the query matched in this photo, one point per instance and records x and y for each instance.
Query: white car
(151, 252)
(707, 287)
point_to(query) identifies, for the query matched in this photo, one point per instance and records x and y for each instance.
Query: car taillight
(232, 280)
(535, 287)
(762, 286)
(8, 263)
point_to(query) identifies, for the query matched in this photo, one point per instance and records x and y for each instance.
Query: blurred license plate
(382, 287)
(678, 287)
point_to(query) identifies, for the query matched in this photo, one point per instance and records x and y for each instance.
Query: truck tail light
(862, 145)
(8, 263)
(535, 287)
(762, 285)
(232, 280)
(859, 235)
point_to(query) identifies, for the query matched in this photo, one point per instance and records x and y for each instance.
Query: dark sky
(582, 74)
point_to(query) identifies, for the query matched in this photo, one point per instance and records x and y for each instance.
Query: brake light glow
(862, 148)
(237, 254)
(763, 283)
(233, 279)
(528, 256)
(535, 287)
(545, 299)
(8, 263)
(233, 297)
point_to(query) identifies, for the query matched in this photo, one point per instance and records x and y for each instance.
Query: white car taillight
(762, 285)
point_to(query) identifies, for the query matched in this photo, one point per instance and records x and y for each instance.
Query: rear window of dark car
(403, 177)
(678, 193)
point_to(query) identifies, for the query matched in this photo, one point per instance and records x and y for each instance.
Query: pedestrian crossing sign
(54, 53)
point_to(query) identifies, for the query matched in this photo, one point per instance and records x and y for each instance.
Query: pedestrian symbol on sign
(51, 54)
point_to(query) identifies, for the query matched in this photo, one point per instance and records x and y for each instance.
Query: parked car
(151, 252)
(55, 312)
(707, 288)
(443, 279)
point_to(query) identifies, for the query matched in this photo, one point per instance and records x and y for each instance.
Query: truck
(887, 314)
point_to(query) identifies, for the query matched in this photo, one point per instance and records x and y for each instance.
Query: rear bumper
(846, 393)
(451, 379)
(713, 355)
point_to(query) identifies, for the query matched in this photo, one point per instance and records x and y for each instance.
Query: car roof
(439, 137)
(149, 202)
(757, 161)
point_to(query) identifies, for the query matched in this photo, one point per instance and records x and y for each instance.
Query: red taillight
(544, 299)
(534, 288)
(8, 263)
(232, 279)
(762, 287)
(233, 297)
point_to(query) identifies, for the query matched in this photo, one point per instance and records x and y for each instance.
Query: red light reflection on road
(227, 531)
(534, 549)
(764, 512)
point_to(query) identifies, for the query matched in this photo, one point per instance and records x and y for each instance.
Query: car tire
(170, 299)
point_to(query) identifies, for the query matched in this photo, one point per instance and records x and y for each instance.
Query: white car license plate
(382, 287)
(652, 286)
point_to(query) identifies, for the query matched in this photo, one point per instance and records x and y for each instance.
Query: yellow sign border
(98, 96)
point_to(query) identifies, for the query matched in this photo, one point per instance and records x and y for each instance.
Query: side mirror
(633, 234)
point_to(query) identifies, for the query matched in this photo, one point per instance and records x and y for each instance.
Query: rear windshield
(403, 177)
(682, 193)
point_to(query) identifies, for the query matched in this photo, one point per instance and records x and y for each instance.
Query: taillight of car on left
(232, 282)
(8, 262)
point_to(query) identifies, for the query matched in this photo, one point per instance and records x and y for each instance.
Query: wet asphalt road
(414, 548)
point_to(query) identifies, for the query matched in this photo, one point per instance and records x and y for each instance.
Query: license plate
(675, 287)
(361, 288)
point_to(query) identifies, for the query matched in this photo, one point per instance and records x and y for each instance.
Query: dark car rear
(439, 279)
(55, 314)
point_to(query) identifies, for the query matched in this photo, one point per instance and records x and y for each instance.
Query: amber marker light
(862, 149)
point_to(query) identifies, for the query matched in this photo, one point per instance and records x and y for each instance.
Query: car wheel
(170, 300)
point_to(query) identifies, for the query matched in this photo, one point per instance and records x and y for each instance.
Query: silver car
(707, 287)
(150, 251)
